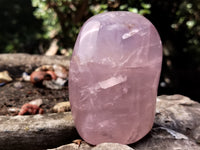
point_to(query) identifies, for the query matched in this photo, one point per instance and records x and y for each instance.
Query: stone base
(176, 126)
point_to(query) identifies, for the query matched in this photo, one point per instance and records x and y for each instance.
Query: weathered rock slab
(73, 146)
(36, 132)
(178, 113)
(112, 146)
(176, 126)
(27, 59)
(102, 146)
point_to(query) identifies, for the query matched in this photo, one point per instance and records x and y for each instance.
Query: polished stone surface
(113, 78)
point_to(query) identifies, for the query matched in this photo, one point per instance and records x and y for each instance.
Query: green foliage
(188, 20)
(177, 22)
(50, 21)
(63, 18)
(19, 30)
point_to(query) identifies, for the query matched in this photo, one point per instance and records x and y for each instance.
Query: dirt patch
(17, 92)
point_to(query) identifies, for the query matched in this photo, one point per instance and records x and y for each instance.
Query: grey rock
(102, 146)
(73, 146)
(178, 113)
(27, 59)
(5, 77)
(176, 126)
(18, 85)
(196, 134)
(36, 132)
(165, 139)
(112, 146)
(51, 84)
(62, 107)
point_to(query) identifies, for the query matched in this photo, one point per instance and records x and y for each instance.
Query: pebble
(44, 68)
(73, 146)
(112, 146)
(2, 84)
(26, 77)
(18, 85)
(13, 110)
(5, 77)
(51, 76)
(38, 76)
(54, 84)
(37, 102)
(51, 84)
(62, 107)
(85, 146)
(60, 81)
(60, 71)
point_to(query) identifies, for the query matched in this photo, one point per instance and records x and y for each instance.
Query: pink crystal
(113, 78)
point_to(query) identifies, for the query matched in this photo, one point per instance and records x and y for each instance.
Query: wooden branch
(81, 10)
(53, 48)
(62, 17)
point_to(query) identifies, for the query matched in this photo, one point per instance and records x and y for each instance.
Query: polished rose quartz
(113, 78)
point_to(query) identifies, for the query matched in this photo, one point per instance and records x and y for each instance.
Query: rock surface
(36, 132)
(73, 146)
(176, 126)
(102, 146)
(22, 59)
(179, 113)
(175, 113)
(112, 146)
(5, 77)
(62, 107)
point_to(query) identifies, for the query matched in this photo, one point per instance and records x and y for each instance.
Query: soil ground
(17, 92)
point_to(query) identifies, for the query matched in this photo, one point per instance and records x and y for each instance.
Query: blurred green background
(33, 26)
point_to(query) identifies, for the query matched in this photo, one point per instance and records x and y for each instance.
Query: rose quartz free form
(113, 78)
